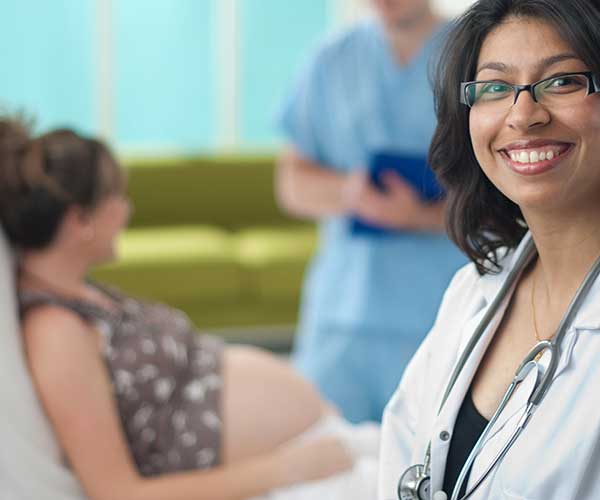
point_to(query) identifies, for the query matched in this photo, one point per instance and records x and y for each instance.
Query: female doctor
(479, 414)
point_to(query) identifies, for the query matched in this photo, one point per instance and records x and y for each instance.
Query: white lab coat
(557, 457)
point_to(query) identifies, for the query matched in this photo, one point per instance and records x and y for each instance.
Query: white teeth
(533, 156)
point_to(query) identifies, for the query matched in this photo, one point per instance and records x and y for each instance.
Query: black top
(468, 427)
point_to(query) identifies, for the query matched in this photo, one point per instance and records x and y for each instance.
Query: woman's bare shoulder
(55, 328)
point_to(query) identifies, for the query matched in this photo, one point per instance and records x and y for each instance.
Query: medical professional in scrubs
(520, 157)
(368, 301)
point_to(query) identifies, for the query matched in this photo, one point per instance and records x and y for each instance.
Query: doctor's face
(397, 13)
(544, 156)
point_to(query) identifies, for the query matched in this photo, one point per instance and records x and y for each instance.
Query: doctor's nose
(526, 114)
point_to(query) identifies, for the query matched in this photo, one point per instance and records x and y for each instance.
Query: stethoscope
(415, 482)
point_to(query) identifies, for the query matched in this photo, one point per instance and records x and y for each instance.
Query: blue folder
(413, 169)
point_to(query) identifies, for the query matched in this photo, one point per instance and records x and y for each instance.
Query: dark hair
(41, 177)
(480, 219)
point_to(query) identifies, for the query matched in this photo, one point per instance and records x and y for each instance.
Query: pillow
(31, 464)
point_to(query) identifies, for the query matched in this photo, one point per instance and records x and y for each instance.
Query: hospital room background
(186, 92)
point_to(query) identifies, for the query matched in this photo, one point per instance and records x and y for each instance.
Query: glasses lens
(562, 90)
(489, 94)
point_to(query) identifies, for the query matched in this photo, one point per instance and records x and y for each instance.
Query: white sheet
(360, 483)
(30, 459)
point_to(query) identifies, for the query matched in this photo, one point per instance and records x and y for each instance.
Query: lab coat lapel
(489, 286)
(446, 419)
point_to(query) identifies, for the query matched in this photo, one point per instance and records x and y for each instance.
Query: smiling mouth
(535, 160)
(535, 155)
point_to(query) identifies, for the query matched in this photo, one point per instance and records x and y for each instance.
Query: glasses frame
(593, 86)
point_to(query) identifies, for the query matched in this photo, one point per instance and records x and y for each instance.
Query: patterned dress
(166, 378)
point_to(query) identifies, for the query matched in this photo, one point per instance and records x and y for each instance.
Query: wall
(163, 76)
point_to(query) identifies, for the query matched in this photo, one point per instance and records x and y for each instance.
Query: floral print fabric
(167, 379)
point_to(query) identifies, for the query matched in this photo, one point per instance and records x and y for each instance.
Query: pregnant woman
(142, 406)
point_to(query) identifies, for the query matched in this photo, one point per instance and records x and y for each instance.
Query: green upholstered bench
(207, 237)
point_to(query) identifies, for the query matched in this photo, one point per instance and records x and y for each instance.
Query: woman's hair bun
(42, 176)
(14, 135)
(13, 132)
(15, 140)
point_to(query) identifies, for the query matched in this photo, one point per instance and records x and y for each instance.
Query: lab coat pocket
(507, 494)
(509, 486)
(545, 461)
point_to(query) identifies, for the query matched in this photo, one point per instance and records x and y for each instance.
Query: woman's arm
(75, 390)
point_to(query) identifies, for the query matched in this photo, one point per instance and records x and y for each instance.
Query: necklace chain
(533, 316)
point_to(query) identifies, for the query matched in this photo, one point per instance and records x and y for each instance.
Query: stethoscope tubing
(528, 254)
(539, 391)
(520, 375)
(480, 442)
(580, 295)
(499, 456)
(523, 261)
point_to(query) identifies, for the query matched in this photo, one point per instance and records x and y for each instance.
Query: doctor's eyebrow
(540, 66)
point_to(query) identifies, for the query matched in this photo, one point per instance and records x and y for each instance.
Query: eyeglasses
(553, 92)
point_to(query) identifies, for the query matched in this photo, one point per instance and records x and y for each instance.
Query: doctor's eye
(490, 91)
(565, 84)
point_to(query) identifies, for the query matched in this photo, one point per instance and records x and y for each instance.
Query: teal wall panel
(164, 77)
(163, 95)
(47, 60)
(275, 36)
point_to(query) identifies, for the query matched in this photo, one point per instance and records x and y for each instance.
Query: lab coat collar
(489, 287)
(587, 318)
(491, 283)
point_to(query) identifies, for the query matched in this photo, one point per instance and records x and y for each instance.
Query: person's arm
(75, 390)
(399, 207)
(305, 188)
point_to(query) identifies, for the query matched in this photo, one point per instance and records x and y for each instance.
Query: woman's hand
(311, 459)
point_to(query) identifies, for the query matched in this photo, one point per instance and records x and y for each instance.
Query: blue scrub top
(352, 99)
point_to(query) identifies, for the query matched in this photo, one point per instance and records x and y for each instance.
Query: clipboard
(413, 169)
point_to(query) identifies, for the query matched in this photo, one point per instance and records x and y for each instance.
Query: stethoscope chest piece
(414, 484)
